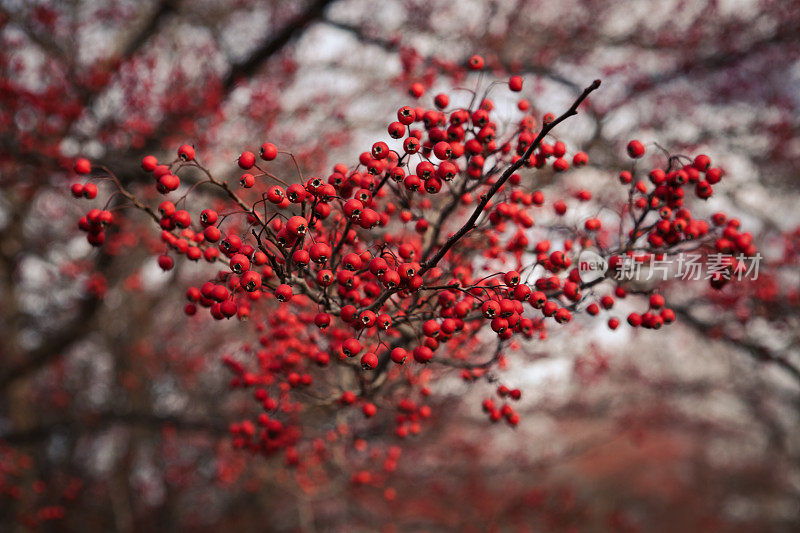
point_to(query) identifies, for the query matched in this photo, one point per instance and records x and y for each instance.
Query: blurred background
(114, 408)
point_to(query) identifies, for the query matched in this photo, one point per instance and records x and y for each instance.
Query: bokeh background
(114, 408)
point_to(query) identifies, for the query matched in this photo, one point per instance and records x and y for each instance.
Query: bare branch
(99, 421)
(275, 44)
(757, 351)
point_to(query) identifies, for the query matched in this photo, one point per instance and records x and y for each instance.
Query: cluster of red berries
(674, 223)
(167, 181)
(367, 268)
(94, 221)
(655, 317)
(33, 498)
(504, 411)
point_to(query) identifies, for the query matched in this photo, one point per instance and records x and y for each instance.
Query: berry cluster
(505, 411)
(423, 254)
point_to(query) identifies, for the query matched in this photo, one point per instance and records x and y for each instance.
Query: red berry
(423, 354)
(283, 292)
(247, 180)
(560, 164)
(475, 62)
(416, 90)
(580, 159)
(268, 151)
(186, 152)
(83, 166)
(511, 278)
(149, 163)
(656, 301)
(406, 115)
(351, 347)
(369, 361)
(702, 162)
(399, 355)
(165, 262)
(635, 149)
(247, 160)
(251, 281)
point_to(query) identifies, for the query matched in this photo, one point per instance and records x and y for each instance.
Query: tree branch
(270, 47)
(757, 351)
(147, 29)
(54, 345)
(98, 421)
